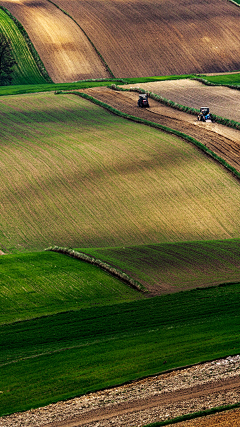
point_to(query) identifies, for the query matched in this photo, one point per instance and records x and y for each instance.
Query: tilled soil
(223, 141)
(152, 399)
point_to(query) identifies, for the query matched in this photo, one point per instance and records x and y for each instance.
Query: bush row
(163, 128)
(226, 122)
(32, 49)
(107, 267)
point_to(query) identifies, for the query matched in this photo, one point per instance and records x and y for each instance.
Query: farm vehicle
(204, 115)
(143, 100)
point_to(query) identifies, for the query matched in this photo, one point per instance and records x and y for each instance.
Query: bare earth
(153, 38)
(152, 399)
(64, 49)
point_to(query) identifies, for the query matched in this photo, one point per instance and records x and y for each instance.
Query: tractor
(204, 115)
(143, 100)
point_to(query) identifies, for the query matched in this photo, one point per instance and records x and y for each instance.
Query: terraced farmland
(76, 175)
(64, 49)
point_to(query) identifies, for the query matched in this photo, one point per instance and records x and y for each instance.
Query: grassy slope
(74, 174)
(55, 357)
(39, 284)
(26, 70)
(170, 267)
(224, 79)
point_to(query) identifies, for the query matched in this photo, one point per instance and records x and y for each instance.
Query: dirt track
(222, 140)
(152, 399)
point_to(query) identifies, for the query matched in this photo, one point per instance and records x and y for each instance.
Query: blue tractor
(204, 115)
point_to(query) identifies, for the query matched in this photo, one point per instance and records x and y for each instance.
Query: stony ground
(152, 399)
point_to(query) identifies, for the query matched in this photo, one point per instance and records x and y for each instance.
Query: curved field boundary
(221, 120)
(162, 127)
(107, 267)
(21, 56)
(84, 32)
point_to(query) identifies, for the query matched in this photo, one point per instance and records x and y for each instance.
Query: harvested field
(222, 140)
(64, 49)
(148, 38)
(222, 101)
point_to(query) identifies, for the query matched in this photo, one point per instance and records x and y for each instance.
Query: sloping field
(220, 139)
(40, 284)
(222, 101)
(174, 267)
(75, 175)
(144, 38)
(64, 49)
(25, 71)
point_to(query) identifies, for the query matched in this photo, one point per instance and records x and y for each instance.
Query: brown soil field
(147, 38)
(222, 140)
(222, 101)
(64, 49)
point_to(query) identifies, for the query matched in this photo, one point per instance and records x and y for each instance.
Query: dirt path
(145, 401)
(224, 141)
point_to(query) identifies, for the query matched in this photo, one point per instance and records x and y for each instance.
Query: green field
(69, 354)
(26, 71)
(224, 79)
(76, 175)
(40, 284)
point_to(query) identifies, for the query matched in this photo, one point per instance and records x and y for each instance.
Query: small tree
(7, 61)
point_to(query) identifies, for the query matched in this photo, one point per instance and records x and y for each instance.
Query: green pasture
(68, 354)
(40, 284)
(224, 79)
(26, 70)
(172, 267)
(73, 174)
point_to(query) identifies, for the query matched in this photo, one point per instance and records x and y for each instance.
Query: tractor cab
(143, 100)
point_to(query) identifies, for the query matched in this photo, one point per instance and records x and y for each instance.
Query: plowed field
(222, 101)
(144, 38)
(220, 139)
(64, 49)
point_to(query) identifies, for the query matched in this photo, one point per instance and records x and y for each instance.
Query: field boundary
(159, 126)
(88, 38)
(103, 265)
(40, 65)
(194, 415)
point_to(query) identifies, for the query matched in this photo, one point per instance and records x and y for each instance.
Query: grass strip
(30, 45)
(193, 416)
(164, 128)
(105, 266)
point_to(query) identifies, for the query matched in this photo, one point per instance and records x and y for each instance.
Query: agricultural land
(119, 225)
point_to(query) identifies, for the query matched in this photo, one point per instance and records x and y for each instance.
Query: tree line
(7, 61)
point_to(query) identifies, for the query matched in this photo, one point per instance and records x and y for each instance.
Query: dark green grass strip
(31, 47)
(193, 416)
(164, 128)
(69, 354)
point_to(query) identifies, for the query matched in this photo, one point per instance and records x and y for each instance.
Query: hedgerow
(107, 267)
